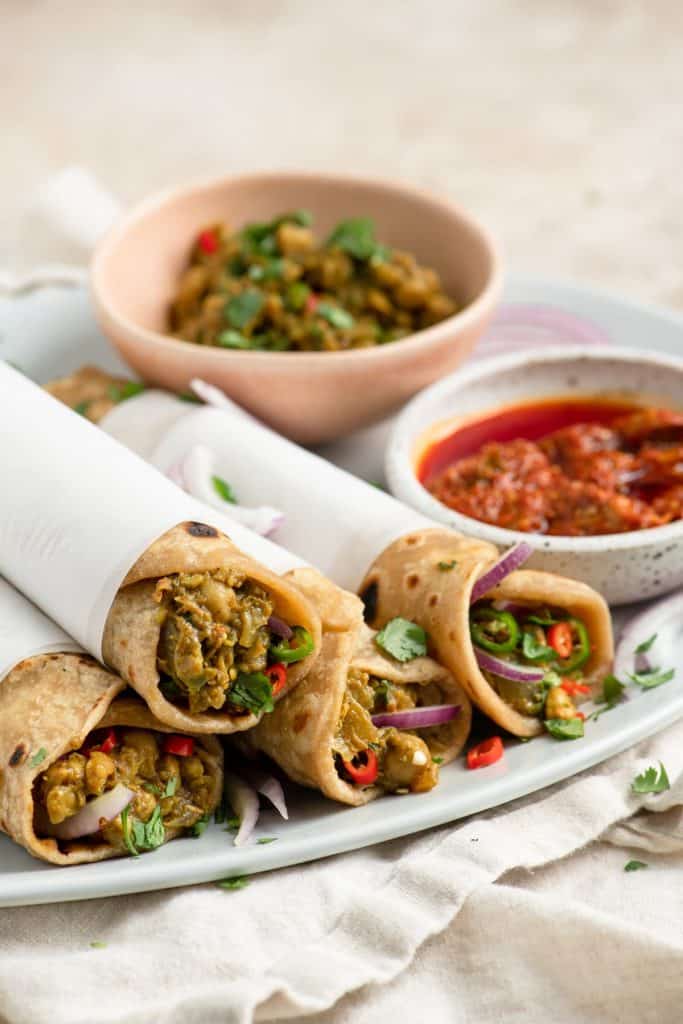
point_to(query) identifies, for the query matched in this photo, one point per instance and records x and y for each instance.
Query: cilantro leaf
(271, 270)
(98, 945)
(199, 827)
(120, 392)
(243, 308)
(565, 728)
(233, 339)
(356, 236)
(533, 650)
(151, 788)
(252, 690)
(266, 839)
(635, 865)
(238, 882)
(171, 786)
(223, 489)
(334, 315)
(232, 823)
(446, 566)
(81, 408)
(38, 758)
(643, 649)
(437, 760)
(649, 680)
(651, 781)
(402, 639)
(147, 835)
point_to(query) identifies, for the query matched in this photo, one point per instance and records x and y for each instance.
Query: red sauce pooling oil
(528, 420)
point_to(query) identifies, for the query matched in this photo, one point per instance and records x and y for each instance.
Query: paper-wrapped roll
(192, 616)
(325, 721)
(183, 669)
(428, 577)
(77, 751)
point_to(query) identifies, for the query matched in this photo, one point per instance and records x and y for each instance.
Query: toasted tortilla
(414, 578)
(299, 734)
(133, 627)
(48, 706)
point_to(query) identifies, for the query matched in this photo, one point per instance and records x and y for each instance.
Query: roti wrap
(415, 578)
(298, 735)
(48, 705)
(133, 627)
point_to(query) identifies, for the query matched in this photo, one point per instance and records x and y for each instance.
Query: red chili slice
(580, 714)
(572, 688)
(560, 639)
(278, 676)
(208, 242)
(485, 753)
(364, 768)
(181, 746)
(311, 303)
(110, 741)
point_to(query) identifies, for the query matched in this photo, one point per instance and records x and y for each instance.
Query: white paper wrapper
(331, 518)
(25, 631)
(78, 509)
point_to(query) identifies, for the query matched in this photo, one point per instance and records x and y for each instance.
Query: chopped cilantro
(38, 758)
(533, 650)
(233, 339)
(446, 566)
(334, 315)
(151, 788)
(565, 728)
(382, 690)
(238, 882)
(356, 236)
(269, 271)
(200, 827)
(231, 824)
(243, 308)
(651, 781)
(98, 945)
(612, 690)
(266, 839)
(655, 677)
(82, 408)
(120, 392)
(402, 639)
(296, 295)
(223, 489)
(643, 649)
(635, 865)
(252, 690)
(147, 835)
(437, 760)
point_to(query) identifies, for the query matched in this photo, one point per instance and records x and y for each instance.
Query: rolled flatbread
(189, 631)
(55, 711)
(428, 576)
(326, 719)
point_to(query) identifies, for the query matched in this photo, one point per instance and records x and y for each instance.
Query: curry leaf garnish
(446, 566)
(38, 757)
(120, 392)
(643, 649)
(651, 781)
(533, 650)
(252, 690)
(635, 865)
(243, 308)
(402, 639)
(238, 882)
(565, 728)
(655, 677)
(223, 489)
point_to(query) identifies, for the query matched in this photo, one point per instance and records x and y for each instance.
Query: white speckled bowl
(624, 567)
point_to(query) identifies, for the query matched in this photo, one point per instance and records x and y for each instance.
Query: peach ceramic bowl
(309, 396)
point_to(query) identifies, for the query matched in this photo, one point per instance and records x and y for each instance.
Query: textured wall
(558, 121)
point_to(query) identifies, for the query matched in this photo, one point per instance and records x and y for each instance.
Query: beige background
(557, 121)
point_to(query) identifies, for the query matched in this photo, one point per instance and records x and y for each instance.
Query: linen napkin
(524, 913)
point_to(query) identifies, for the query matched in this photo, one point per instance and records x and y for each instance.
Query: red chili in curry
(564, 467)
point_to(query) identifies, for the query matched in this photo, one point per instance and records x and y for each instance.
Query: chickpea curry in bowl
(273, 286)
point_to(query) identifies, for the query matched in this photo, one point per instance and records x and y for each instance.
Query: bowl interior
(139, 265)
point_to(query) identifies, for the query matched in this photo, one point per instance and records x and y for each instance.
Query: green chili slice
(303, 646)
(581, 650)
(493, 630)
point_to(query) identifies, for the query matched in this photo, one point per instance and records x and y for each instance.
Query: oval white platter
(50, 332)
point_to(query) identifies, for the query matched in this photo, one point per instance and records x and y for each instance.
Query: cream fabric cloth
(523, 914)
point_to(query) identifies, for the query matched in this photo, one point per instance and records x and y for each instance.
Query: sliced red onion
(417, 718)
(517, 326)
(504, 669)
(89, 818)
(271, 788)
(244, 802)
(513, 558)
(195, 472)
(280, 628)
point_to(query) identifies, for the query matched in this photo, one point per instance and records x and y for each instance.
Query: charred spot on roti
(370, 597)
(452, 637)
(300, 721)
(412, 581)
(18, 755)
(411, 539)
(201, 530)
(433, 600)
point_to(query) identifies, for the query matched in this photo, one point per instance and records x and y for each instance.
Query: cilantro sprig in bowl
(396, 289)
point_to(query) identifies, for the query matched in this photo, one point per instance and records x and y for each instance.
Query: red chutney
(564, 467)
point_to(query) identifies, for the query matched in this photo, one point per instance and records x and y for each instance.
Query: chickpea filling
(169, 791)
(214, 632)
(549, 641)
(403, 758)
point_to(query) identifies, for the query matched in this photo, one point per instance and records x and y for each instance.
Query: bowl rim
(403, 483)
(471, 314)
